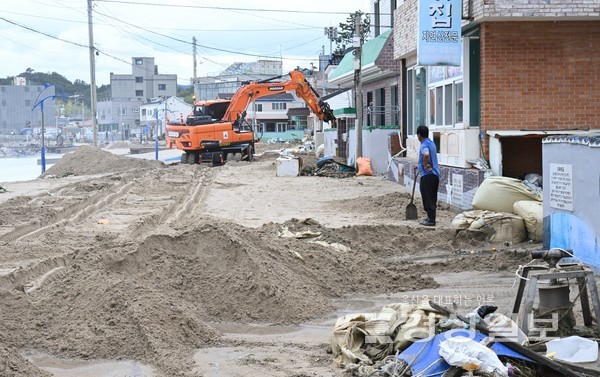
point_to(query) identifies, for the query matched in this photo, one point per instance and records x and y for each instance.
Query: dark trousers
(429, 189)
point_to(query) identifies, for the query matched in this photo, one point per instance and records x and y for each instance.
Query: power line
(42, 33)
(233, 8)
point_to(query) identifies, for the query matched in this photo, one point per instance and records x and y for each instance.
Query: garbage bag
(470, 355)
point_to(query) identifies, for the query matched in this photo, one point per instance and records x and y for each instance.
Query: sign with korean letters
(439, 39)
(561, 186)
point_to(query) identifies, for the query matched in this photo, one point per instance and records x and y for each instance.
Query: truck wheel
(184, 158)
(248, 153)
(194, 158)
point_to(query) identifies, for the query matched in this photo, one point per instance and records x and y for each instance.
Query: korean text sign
(439, 39)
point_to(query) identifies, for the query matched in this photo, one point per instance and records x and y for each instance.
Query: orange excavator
(218, 128)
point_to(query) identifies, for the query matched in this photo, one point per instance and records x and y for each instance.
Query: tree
(346, 31)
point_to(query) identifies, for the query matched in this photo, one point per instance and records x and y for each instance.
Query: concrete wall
(375, 147)
(330, 141)
(576, 226)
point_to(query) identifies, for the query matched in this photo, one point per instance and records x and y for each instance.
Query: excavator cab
(207, 112)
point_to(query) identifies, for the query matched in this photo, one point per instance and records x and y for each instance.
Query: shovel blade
(411, 212)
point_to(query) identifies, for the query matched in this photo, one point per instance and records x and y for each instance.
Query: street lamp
(40, 102)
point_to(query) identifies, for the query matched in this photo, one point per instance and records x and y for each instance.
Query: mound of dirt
(142, 301)
(118, 145)
(91, 160)
(391, 206)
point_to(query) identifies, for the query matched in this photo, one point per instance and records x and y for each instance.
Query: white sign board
(561, 186)
(457, 189)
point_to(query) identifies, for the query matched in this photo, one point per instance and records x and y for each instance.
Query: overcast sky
(52, 35)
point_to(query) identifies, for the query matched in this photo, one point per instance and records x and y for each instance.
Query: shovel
(411, 208)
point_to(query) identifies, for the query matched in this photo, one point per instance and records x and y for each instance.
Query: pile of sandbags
(506, 210)
(533, 215)
(499, 194)
(498, 227)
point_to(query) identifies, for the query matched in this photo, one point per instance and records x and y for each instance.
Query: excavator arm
(297, 83)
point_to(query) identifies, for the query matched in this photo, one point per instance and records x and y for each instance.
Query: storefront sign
(561, 186)
(440, 41)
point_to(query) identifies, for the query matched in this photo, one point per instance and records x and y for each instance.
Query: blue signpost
(40, 102)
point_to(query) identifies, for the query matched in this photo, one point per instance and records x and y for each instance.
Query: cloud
(123, 31)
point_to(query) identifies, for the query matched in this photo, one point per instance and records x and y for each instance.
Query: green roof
(344, 110)
(370, 52)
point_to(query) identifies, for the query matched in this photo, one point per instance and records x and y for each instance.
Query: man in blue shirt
(429, 170)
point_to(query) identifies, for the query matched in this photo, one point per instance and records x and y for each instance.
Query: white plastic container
(288, 167)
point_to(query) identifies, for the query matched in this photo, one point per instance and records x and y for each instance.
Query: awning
(499, 134)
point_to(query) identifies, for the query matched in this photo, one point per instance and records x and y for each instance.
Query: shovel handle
(412, 196)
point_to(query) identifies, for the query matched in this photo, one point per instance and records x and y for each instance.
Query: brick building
(529, 69)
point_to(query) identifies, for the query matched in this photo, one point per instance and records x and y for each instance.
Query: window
(434, 97)
(121, 111)
(393, 6)
(3, 102)
(458, 97)
(162, 87)
(297, 122)
(258, 107)
(27, 102)
(279, 106)
(144, 112)
(281, 127)
(444, 109)
(271, 127)
(139, 79)
(139, 93)
(139, 61)
(416, 99)
(395, 106)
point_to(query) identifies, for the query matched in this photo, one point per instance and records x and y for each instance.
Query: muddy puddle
(61, 367)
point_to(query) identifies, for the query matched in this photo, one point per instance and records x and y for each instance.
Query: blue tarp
(429, 358)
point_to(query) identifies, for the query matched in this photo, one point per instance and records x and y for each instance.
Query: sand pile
(118, 145)
(91, 160)
(391, 206)
(143, 301)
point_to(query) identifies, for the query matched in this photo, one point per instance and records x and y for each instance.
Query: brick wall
(405, 30)
(527, 8)
(540, 75)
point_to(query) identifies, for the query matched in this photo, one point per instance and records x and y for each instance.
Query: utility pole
(194, 51)
(94, 99)
(357, 43)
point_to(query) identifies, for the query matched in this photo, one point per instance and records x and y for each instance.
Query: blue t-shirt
(428, 145)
